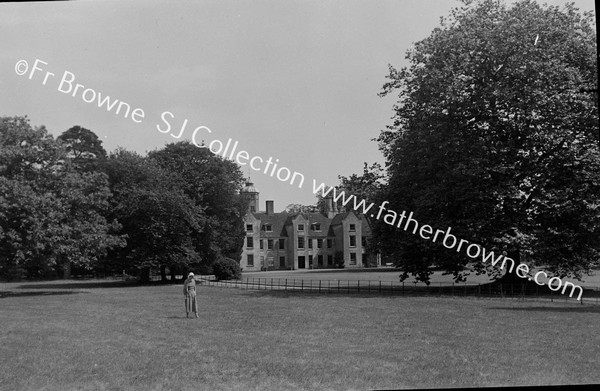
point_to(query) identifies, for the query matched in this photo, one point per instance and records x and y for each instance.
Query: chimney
(270, 207)
(329, 211)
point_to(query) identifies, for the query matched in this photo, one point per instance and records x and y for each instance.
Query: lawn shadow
(85, 285)
(592, 309)
(7, 294)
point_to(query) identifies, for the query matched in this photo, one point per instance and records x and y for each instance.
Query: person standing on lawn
(189, 291)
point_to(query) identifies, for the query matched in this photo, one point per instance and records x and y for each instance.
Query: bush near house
(226, 269)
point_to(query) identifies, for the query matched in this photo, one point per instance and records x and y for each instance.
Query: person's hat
(191, 274)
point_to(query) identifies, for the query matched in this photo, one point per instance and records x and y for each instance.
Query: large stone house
(302, 240)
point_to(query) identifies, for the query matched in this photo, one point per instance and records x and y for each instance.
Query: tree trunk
(511, 278)
(145, 274)
(67, 270)
(163, 273)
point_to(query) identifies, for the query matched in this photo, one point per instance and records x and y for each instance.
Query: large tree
(51, 217)
(214, 184)
(160, 221)
(84, 148)
(495, 134)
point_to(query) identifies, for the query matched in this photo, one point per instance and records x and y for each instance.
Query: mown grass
(137, 337)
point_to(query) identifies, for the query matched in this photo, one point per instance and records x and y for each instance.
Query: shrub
(226, 269)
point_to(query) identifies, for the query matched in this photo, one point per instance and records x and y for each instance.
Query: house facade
(284, 241)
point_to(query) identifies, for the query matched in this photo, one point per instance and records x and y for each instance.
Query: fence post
(402, 288)
(358, 288)
(302, 286)
(319, 286)
(379, 286)
(452, 288)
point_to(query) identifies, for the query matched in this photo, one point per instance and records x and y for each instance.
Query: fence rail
(390, 288)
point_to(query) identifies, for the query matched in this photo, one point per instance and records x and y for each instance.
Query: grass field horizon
(105, 336)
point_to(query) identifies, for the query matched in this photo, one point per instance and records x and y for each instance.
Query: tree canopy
(64, 204)
(495, 134)
(213, 183)
(51, 217)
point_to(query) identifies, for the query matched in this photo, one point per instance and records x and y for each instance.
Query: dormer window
(316, 227)
(300, 227)
(268, 228)
(352, 227)
(249, 227)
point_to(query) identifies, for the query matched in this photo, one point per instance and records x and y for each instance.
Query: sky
(292, 81)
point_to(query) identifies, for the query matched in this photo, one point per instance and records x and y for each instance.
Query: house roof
(279, 222)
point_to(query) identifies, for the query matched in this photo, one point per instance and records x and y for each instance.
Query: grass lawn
(93, 336)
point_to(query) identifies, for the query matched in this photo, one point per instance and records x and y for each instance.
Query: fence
(390, 288)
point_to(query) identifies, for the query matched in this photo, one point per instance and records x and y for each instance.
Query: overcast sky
(291, 80)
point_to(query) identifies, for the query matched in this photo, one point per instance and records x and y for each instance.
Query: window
(252, 208)
(281, 261)
(268, 228)
(329, 243)
(270, 262)
(270, 244)
(319, 243)
(249, 242)
(249, 227)
(250, 261)
(363, 241)
(352, 241)
(261, 244)
(330, 259)
(352, 227)
(310, 243)
(310, 258)
(352, 258)
(282, 244)
(320, 259)
(300, 227)
(316, 227)
(301, 242)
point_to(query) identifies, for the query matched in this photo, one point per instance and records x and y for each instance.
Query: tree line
(66, 206)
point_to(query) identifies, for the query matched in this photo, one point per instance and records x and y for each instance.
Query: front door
(301, 262)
